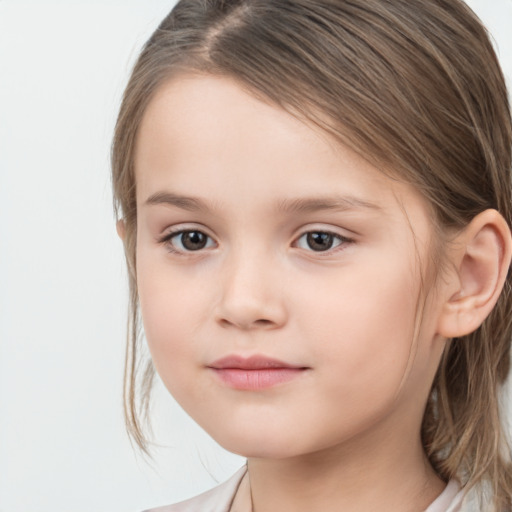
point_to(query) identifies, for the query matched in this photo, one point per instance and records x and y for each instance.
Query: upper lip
(256, 362)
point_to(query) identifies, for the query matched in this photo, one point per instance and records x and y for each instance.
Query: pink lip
(255, 372)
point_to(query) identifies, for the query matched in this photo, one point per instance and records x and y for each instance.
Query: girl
(315, 202)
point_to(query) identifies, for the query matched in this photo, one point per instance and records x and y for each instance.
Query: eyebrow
(298, 205)
(191, 204)
(314, 204)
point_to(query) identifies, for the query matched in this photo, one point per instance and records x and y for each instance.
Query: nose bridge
(251, 296)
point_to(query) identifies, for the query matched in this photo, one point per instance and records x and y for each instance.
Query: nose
(252, 295)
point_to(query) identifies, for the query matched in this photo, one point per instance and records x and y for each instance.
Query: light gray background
(63, 65)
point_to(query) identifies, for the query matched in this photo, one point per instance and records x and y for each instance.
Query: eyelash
(167, 241)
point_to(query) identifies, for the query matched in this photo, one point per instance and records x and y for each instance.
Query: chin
(261, 444)
(257, 451)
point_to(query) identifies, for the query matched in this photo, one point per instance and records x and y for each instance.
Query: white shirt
(234, 496)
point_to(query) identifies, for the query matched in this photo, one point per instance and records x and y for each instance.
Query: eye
(320, 241)
(188, 240)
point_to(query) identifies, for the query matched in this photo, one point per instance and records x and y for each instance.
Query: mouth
(254, 373)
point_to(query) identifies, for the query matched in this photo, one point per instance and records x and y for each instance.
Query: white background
(63, 66)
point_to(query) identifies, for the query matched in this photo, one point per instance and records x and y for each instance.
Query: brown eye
(188, 241)
(320, 241)
(193, 240)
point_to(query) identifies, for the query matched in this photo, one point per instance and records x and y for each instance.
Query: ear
(480, 260)
(121, 229)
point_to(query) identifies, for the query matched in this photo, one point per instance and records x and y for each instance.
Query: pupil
(320, 241)
(193, 240)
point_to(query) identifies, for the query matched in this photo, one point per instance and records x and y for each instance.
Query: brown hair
(412, 85)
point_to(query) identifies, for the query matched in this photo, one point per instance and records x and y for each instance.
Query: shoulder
(217, 499)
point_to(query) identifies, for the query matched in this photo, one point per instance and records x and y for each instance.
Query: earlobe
(121, 229)
(481, 262)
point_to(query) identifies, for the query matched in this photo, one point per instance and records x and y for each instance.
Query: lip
(255, 372)
(256, 362)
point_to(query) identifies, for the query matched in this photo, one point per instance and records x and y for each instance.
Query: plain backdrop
(63, 447)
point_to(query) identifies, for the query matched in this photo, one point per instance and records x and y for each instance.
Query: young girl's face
(279, 276)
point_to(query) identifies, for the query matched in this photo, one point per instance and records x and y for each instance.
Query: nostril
(262, 322)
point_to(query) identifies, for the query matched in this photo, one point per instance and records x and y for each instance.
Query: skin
(347, 314)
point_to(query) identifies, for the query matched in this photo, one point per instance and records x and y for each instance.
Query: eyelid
(343, 240)
(175, 231)
(165, 239)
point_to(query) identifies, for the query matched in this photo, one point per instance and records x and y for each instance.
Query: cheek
(363, 327)
(173, 308)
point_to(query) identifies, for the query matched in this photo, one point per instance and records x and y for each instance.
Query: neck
(361, 476)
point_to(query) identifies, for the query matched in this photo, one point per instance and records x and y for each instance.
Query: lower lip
(257, 379)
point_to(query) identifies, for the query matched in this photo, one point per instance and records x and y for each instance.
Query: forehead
(201, 132)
